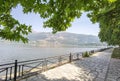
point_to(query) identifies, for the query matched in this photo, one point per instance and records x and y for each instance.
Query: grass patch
(116, 53)
(86, 54)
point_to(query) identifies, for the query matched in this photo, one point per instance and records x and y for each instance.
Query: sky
(80, 26)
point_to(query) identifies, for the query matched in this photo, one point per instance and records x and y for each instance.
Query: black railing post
(15, 71)
(82, 54)
(19, 74)
(70, 57)
(45, 64)
(77, 56)
(59, 60)
(22, 70)
(10, 72)
(6, 74)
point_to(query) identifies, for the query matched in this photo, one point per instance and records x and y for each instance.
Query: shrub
(86, 54)
(116, 53)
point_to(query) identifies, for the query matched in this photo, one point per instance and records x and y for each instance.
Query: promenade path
(114, 70)
(93, 68)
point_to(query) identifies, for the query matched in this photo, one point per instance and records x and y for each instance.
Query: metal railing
(23, 69)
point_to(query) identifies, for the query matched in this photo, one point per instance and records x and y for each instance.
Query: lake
(9, 52)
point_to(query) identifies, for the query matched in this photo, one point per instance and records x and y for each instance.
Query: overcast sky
(79, 26)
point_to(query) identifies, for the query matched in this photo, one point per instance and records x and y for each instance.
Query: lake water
(9, 53)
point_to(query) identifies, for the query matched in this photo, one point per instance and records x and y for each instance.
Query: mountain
(62, 39)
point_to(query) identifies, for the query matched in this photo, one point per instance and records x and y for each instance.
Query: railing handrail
(40, 59)
(22, 62)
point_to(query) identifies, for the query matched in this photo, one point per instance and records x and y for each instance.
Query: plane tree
(59, 14)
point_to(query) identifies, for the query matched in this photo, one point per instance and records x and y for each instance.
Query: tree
(59, 15)
(110, 25)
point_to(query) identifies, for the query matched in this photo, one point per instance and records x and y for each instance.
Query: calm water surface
(9, 53)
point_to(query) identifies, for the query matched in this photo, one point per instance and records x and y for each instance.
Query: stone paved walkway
(93, 68)
(114, 70)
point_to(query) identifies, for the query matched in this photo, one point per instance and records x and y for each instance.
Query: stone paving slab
(114, 70)
(93, 68)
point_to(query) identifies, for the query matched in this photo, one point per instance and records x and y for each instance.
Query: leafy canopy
(110, 25)
(59, 15)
